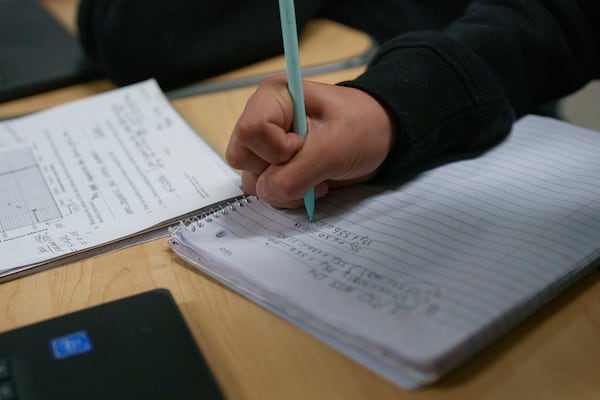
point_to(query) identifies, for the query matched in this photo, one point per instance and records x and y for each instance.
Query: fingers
(250, 186)
(261, 137)
(280, 183)
(349, 136)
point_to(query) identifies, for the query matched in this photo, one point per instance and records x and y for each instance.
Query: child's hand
(349, 136)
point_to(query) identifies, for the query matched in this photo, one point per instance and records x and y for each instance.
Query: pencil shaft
(294, 74)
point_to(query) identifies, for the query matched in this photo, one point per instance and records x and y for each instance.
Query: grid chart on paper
(25, 198)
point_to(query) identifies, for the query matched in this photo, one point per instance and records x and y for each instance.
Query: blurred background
(583, 107)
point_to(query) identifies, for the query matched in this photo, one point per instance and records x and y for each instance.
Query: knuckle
(283, 188)
(247, 129)
(233, 158)
(274, 80)
(249, 183)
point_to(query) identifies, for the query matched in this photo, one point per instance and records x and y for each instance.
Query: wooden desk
(256, 355)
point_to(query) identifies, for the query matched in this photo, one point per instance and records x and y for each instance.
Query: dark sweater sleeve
(181, 41)
(462, 89)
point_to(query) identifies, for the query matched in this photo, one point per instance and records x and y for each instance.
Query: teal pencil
(294, 75)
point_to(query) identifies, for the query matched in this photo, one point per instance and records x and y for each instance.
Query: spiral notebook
(411, 280)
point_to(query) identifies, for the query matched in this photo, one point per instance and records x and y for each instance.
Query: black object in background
(138, 347)
(36, 52)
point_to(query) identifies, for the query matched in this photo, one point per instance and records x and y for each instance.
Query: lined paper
(413, 279)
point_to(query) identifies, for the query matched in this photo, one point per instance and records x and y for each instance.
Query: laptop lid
(138, 347)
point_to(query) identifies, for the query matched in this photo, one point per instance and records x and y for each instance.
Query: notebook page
(423, 274)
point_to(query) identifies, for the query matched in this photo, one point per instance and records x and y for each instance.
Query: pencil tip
(309, 204)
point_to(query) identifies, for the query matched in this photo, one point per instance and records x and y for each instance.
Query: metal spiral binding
(223, 209)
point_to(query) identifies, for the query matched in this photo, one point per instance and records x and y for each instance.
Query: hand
(349, 136)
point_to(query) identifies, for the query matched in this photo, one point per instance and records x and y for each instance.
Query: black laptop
(36, 52)
(134, 348)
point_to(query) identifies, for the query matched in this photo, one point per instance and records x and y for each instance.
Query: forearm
(538, 50)
(462, 89)
(439, 95)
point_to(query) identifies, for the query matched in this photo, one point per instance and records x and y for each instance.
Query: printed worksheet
(98, 170)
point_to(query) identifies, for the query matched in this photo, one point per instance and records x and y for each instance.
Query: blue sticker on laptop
(71, 345)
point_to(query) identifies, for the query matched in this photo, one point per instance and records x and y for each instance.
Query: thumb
(282, 183)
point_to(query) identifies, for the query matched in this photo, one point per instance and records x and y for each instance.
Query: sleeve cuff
(440, 95)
